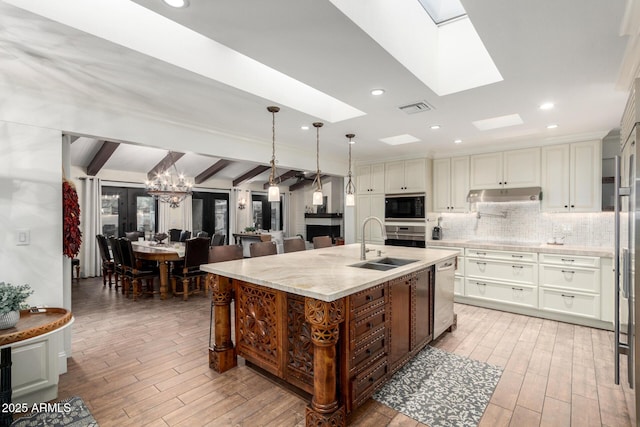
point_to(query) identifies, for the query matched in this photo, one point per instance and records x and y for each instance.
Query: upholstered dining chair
(118, 268)
(174, 234)
(321, 242)
(294, 245)
(108, 266)
(217, 239)
(196, 253)
(258, 249)
(202, 234)
(134, 235)
(185, 235)
(225, 253)
(132, 273)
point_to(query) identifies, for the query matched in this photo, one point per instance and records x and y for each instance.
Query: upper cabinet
(370, 179)
(508, 169)
(451, 184)
(405, 176)
(571, 177)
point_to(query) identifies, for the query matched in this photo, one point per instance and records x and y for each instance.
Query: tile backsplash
(523, 222)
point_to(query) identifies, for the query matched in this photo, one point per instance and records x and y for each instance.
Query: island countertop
(326, 274)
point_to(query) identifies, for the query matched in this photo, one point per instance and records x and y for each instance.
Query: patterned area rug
(441, 389)
(71, 412)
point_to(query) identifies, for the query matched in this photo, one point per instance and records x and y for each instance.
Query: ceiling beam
(304, 183)
(212, 170)
(101, 157)
(164, 164)
(285, 176)
(248, 175)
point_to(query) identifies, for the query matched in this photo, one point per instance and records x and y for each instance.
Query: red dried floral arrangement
(71, 234)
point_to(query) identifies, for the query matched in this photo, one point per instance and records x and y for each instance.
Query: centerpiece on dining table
(160, 237)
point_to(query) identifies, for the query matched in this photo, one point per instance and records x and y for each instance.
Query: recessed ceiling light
(547, 106)
(177, 3)
(457, 141)
(435, 127)
(304, 127)
(377, 92)
(552, 126)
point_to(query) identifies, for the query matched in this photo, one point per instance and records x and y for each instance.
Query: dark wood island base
(339, 351)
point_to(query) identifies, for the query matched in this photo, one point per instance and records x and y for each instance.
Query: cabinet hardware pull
(369, 325)
(567, 260)
(369, 298)
(481, 263)
(568, 271)
(568, 296)
(481, 284)
(517, 256)
(481, 253)
(368, 351)
(371, 379)
(518, 289)
(517, 266)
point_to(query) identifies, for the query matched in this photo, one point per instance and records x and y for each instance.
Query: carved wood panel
(257, 324)
(299, 345)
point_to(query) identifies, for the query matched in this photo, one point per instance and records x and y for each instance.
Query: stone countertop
(599, 251)
(326, 274)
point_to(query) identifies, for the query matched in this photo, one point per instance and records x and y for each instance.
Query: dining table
(163, 253)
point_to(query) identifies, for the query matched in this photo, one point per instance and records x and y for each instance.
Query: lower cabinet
(516, 294)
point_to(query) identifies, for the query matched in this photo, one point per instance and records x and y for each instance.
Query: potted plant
(12, 300)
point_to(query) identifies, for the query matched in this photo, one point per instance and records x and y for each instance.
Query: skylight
(442, 11)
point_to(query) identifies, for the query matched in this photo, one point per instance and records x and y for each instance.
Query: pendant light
(317, 194)
(350, 197)
(274, 190)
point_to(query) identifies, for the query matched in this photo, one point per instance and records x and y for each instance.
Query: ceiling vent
(416, 107)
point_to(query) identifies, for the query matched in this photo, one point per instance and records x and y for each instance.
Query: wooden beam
(101, 157)
(164, 164)
(212, 170)
(248, 175)
(285, 176)
(304, 183)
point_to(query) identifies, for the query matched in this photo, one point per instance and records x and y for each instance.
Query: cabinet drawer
(570, 260)
(574, 303)
(519, 272)
(368, 325)
(458, 285)
(369, 351)
(502, 255)
(363, 301)
(364, 384)
(501, 292)
(572, 278)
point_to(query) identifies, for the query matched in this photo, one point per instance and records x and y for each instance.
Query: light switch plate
(23, 236)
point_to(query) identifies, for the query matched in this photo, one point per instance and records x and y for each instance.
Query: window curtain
(180, 217)
(90, 225)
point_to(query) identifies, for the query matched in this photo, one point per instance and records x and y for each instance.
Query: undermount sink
(383, 264)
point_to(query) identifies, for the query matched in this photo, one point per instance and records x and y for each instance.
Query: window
(127, 209)
(210, 213)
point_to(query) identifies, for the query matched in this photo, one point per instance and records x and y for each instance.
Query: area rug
(71, 412)
(441, 389)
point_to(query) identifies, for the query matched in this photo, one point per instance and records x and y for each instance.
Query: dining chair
(258, 249)
(134, 235)
(202, 234)
(185, 235)
(196, 253)
(321, 242)
(118, 268)
(294, 245)
(108, 265)
(174, 234)
(134, 274)
(225, 253)
(217, 239)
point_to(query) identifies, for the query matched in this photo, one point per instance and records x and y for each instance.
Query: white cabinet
(451, 184)
(405, 176)
(509, 169)
(369, 205)
(370, 179)
(572, 177)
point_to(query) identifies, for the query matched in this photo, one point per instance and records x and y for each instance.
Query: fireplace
(323, 224)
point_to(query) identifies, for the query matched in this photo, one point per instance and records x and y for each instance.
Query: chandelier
(170, 186)
(350, 199)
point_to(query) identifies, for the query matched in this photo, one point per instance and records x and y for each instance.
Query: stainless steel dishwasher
(443, 298)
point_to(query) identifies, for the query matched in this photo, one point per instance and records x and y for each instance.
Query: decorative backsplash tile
(523, 222)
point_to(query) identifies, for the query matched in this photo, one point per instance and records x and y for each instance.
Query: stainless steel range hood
(505, 195)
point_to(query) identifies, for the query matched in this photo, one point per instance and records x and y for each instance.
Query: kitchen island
(324, 321)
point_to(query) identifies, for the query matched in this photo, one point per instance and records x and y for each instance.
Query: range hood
(505, 195)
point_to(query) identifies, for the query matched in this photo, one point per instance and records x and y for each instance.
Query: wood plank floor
(145, 363)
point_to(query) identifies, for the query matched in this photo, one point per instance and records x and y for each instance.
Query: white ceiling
(568, 52)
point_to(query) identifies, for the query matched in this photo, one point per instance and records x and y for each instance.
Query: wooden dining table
(163, 254)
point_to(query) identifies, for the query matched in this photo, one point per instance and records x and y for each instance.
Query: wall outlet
(23, 236)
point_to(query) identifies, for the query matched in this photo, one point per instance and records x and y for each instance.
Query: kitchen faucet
(363, 249)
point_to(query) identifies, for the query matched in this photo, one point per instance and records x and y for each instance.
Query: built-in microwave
(404, 207)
